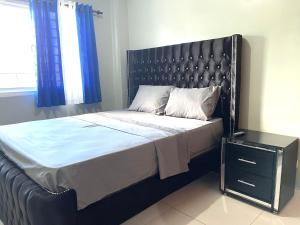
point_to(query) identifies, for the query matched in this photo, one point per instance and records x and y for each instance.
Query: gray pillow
(194, 103)
(152, 99)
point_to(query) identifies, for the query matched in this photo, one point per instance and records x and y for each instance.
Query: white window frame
(18, 91)
(12, 92)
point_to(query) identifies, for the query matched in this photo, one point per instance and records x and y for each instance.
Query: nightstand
(259, 167)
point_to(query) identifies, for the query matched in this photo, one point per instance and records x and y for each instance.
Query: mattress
(100, 153)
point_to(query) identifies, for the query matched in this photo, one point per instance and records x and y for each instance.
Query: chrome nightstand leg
(278, 179)
(222, 181)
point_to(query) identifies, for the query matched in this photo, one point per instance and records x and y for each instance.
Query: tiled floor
(200, 203)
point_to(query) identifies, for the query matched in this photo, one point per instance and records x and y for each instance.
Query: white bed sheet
(101, 153)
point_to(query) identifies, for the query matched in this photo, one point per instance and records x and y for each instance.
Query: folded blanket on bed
(170, 144)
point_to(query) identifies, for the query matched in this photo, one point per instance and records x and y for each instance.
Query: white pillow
(193, 103)
(152, 99)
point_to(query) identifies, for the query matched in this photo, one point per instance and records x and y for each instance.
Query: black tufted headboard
(193, 65)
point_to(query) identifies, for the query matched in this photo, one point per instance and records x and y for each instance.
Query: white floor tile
(203, 201)
(173, 217)
(290, 215)
(148, 214)
(195, 195)
(269, 219)
(228, 211)
(1, 223)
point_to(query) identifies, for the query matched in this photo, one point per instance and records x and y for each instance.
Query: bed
(45, 174)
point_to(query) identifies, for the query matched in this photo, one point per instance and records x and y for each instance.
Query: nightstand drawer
(250, 184)
(249, 159)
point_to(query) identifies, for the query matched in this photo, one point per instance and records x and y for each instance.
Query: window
(17, 47)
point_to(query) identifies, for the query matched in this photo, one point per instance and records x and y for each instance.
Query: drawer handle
(247, 183)
(247, 161)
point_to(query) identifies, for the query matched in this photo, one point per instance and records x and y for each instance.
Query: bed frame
(196, 64)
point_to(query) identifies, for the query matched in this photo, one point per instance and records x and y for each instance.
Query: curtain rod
(96, 12)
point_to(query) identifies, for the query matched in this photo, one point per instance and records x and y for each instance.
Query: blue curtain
(88, 54)
(50, 86)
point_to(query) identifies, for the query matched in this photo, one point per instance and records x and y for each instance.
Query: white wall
(271, 51)
(121, 44)
(111, 43)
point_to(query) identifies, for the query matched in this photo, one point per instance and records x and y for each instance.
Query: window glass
(17, 47)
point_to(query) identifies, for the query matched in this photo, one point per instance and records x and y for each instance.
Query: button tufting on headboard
(193, 65)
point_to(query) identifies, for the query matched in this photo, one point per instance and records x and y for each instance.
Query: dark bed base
(23, 202)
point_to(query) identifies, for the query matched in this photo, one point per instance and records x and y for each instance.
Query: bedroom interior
(159, 58)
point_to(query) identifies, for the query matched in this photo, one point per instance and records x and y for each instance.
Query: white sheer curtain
(70, 52)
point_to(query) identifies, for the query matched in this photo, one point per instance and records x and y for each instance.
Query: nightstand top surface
(264, 138)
